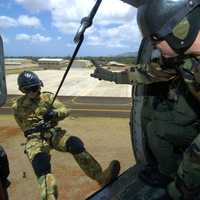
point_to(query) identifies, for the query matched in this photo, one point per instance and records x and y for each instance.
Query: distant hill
(155, 54)
(127, 54)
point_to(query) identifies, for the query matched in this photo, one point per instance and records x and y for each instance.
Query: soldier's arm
(16, 115)
(140, 74)
(19, 121)
(106, 75)
(61, 109)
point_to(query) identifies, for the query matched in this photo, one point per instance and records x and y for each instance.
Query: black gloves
(50, 115)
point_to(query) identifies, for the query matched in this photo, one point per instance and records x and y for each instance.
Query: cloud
(115, 12)
(66, 28)
(119, 36)
(33, 38)
(7, 22)
(114, 24)
(66, 12)
(40, 38)
(34, 5)
(23, 36)
(25, 20)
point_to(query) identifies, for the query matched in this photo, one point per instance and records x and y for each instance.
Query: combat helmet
(176, 21)
(28, 81)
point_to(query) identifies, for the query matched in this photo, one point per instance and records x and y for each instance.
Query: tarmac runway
(77, 83)
(88, 105)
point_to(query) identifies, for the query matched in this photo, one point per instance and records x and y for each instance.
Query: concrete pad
(77, 83)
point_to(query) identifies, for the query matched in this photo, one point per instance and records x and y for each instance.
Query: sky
(47, 28)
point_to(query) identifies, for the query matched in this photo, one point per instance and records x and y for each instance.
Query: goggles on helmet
(32, 89)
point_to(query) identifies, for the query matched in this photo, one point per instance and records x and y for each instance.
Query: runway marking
(101, 110)
(101, 104)
(88, 107)
(76, 98)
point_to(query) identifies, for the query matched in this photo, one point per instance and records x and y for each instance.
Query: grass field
(105, 138)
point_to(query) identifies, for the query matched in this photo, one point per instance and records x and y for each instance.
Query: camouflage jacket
(28, 112)
(190, 72)
(154, 72)
(147, 74)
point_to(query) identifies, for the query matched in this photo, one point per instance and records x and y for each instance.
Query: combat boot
(110, 173)
(93, 169)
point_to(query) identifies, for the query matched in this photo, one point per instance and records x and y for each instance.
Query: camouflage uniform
(173, 134)
(172, 125)
(27, 112)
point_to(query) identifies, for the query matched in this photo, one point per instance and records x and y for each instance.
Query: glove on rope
(50, 115)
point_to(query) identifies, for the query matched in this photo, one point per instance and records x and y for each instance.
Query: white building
(15, 63)
(52, 63)
(82, 63)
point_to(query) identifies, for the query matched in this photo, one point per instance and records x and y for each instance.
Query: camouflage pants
(58, 139)
(38, 145)
(175, 142)
(168, 141)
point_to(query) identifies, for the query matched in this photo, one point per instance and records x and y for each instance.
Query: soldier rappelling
(38, 119)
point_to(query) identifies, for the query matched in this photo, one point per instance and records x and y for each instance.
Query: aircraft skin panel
(3, 90)
(138, 143)
(128, 187)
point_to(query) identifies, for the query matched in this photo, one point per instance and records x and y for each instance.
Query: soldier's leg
(164, 138)
(65, 142)
(37, 151)
(187, 183)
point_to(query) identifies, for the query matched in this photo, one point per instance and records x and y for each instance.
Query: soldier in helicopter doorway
(173, 132)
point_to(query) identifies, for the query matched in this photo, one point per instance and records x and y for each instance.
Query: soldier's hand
(50, 115)
(102, 74)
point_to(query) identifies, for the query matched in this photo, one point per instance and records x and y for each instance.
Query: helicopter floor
(128, 187)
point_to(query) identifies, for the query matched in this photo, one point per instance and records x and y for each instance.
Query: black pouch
(4, 167)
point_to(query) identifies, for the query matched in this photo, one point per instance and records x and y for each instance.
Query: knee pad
(74, 145)
(41, 164)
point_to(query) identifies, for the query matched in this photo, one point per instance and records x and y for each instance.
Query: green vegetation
(17, 71)
(122, 59)
(24, 57)
(125, 60)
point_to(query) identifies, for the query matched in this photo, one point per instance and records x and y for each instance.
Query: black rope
(67, 70)
(86, 22)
